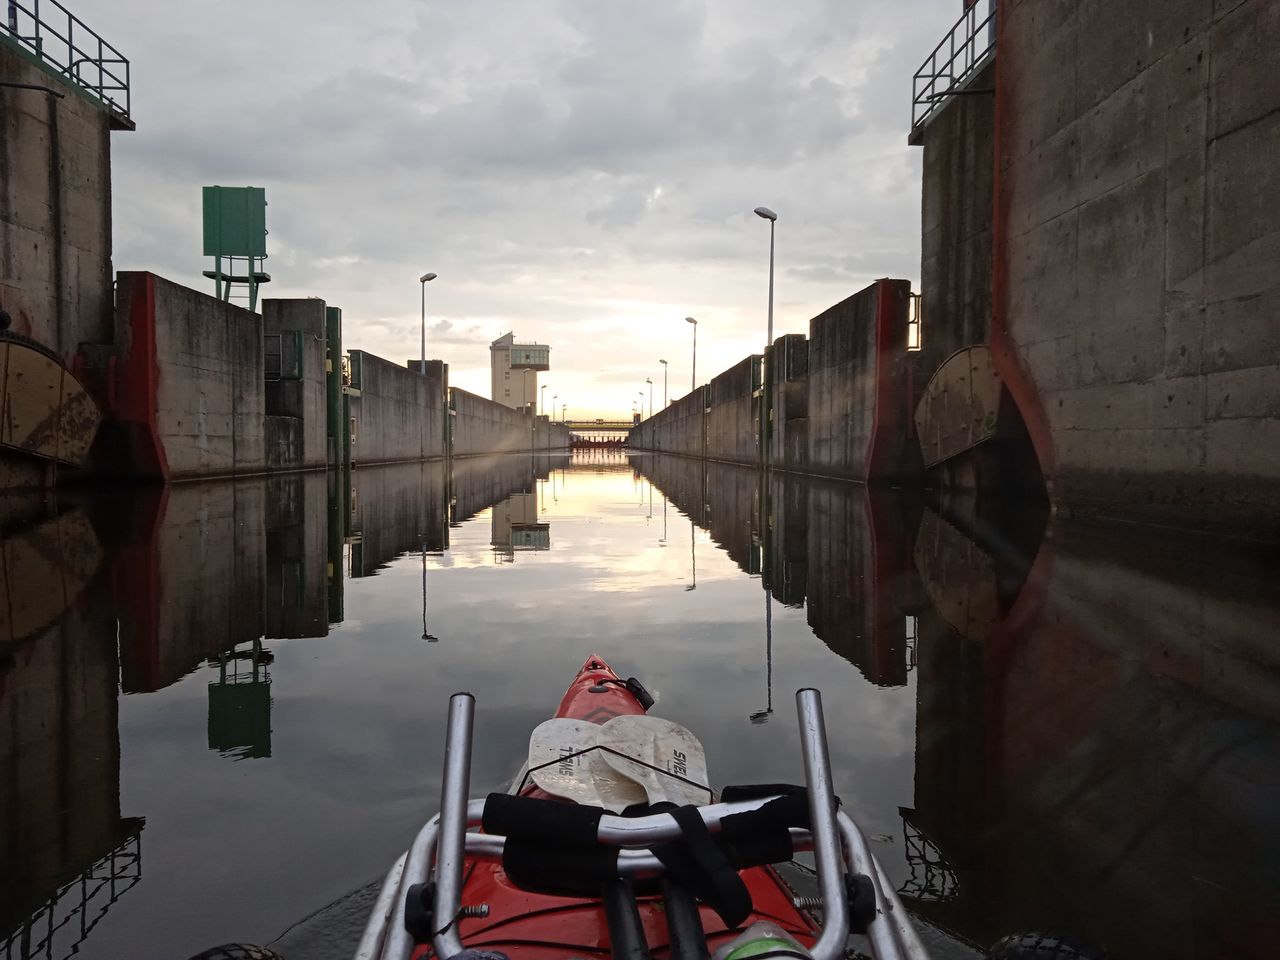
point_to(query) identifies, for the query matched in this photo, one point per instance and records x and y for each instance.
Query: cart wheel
(238, 951)
(1043, 946)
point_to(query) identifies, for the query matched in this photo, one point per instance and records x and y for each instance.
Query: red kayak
(531, 875)
(534, 926)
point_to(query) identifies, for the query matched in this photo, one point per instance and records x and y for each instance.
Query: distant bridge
(601, 425)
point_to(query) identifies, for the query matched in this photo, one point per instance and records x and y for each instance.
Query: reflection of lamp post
(693, 380)
(663, 541)
(664, 383)
(693, 557)
(762, 716)
(422, 361)
(425, 635)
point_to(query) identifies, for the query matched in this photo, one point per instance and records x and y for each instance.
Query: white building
(514, 371)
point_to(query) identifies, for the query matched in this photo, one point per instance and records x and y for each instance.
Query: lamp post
(664, 383)
(563, 408)
(542, 399)
(554, 398)
(422, 354)
(766, 372)
(693, 380)
(772, 217)
(649, 381)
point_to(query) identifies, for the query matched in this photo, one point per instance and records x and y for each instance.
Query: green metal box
(235, 222)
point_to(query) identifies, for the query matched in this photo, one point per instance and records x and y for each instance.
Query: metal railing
(59, 38)
(963, 51)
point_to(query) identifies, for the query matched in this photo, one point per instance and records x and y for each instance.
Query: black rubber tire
(1042, 946)
(238, 951)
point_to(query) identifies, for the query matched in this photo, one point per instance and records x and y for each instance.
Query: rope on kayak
(625, 756)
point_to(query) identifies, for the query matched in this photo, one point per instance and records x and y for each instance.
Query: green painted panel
(235, 222)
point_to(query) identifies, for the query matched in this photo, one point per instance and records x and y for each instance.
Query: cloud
(581, 172)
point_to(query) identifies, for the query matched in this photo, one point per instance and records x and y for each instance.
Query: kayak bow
(549, 877)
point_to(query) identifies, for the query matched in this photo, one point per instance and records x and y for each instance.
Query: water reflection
(1043, 724)
(1097, 749)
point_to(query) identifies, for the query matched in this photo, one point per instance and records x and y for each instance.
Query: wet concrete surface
(221, 704)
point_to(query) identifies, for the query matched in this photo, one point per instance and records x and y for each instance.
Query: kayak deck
(535, 926)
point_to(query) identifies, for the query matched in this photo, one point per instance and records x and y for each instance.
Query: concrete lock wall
(296, 410)
(187, 394)
(55, 209)
(1135, 232)
(481, 426)
(837, 404)
(732, 422)
(398, 414)
(680, 428)
(958, 181)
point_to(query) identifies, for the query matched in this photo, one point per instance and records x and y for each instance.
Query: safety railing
(963, 51)
(59, 38)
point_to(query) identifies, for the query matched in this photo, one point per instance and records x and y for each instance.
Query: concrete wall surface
(188, 394)
(55, 209)
(958, 184)
(837, 404)
(398, 414)
(301, 324)
(1137, 243)
(481, 426)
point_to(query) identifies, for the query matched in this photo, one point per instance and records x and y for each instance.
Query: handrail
(961, 53)
(75, 50)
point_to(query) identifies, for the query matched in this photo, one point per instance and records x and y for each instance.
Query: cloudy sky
(581, 172)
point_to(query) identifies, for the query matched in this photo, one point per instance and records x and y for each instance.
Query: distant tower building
(514, 367)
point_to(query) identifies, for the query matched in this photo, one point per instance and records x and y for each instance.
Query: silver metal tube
(885, 931)
(450, 852)
(827, 853)
(907, 936)
(417, 867)
(375, 931)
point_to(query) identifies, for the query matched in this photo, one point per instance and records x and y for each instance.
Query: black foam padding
(547, 821)
(563, 871)
(770, 847)
(776, 815)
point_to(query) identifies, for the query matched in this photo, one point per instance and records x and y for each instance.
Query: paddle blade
(638, 744)
(584, 778)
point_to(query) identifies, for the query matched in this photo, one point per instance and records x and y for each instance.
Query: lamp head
(691, 320)
(766, 213)
(663, 362)
(426, 276)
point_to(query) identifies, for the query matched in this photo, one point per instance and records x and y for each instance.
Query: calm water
(221, 705)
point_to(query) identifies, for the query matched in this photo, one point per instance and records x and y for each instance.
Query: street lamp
(542, 399)
(772, 217)
(563, 408)
(649, 381)
(422, 355)
(693, 380)
(664, 383)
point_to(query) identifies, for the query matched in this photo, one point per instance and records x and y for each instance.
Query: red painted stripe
(1004, 349)
(137, 377)
(887, 427)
